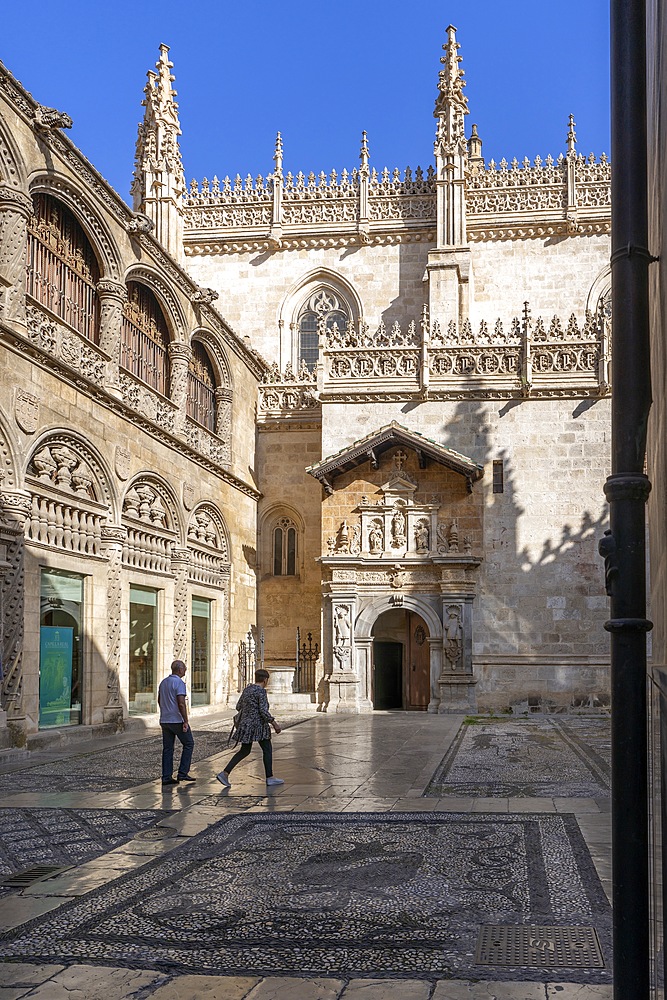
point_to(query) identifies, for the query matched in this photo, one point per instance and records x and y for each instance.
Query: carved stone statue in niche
(342, 625)
(398, 529)
(421, 537)
(453, 637)
(376, 538)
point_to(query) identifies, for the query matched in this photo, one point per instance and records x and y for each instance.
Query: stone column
(112, 295)
(179, 359)
(180, 564)
(15, 210)
(112, 549)
(15, 507)
(223, 413)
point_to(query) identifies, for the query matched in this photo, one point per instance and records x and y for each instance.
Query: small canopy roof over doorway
(369, 448)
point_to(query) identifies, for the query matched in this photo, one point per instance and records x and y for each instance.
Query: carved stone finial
(571, 136)
(278, 155)
(49, 119)
(204, 296)
(475, 157)
(364, 152)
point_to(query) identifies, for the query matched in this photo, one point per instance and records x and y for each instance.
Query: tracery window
(284, 547)
(145, 338)
(62, 271)
(201, 388)
(324, 305)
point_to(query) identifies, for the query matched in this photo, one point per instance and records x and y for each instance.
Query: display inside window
(142, 693)
(200, 652)
(60, 649)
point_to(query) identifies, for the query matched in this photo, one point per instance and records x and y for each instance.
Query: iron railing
(306, 661)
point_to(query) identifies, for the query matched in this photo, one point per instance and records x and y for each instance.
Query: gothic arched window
(284, 547)
(323, 306)
(62, 271)
(145, 338)
(201, 388)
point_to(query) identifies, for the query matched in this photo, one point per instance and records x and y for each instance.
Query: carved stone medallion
(26, 410)
(122, 462)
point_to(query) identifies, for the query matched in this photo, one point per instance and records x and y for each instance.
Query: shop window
(201, 388)
(142, 693)
(324, 307)
(62, 271)
(284, 548)
(200, 653)
(145, 338)
(60, 649)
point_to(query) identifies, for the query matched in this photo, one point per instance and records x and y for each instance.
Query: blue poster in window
(56, 645)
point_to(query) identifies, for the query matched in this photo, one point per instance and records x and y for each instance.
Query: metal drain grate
(539, 946)
(19, 880)
(156, 833)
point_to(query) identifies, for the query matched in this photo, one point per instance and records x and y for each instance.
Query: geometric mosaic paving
(568, 756)
(342, 895)
(65, 836)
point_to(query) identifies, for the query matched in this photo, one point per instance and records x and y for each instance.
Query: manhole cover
(539, 946)
(19, 880)
(156, 833)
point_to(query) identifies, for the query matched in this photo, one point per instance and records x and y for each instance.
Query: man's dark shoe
(169, 781)
(186, 777)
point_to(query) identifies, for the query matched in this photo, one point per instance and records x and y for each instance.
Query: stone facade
(410, 471)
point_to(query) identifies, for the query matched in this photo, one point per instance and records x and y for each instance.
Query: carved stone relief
(26, 411)
(122, 462)
(112, 540)
(452, 628)
(188, 496)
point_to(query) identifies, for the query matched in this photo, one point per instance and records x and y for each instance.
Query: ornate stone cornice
(16, 200)
(113, 534)
(107, 287)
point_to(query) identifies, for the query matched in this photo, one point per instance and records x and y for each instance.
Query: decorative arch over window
(145, 338)
(62, 270)
(324, 307)
(201, 403)
(209, 546)
(284, 547)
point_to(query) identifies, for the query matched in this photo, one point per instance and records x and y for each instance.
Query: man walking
(171, 697)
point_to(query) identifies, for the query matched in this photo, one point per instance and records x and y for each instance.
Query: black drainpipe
(627, 491)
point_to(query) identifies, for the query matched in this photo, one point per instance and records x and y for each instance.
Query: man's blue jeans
(171, 730)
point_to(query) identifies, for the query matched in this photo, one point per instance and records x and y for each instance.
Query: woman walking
(253, 723)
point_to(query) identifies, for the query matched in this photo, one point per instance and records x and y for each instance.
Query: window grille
(324, 306)
(201, 388)
(498, 477)
(284, 548)
(145, 338)
(62, 270)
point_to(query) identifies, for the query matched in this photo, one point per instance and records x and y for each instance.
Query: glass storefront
(200, 653)
(60, 649)
(142, 695)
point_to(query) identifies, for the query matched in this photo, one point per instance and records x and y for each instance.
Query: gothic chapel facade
(369, 410)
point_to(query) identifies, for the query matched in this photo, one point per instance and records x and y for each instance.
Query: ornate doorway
(401, 662)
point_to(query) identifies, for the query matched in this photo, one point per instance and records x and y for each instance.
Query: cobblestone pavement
(564, 756)
(344, 882)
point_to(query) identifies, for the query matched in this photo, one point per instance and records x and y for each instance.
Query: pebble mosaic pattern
(528, 757)
(358, 895)
(65, 836)
(116, 768)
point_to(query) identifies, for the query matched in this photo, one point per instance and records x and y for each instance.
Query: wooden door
(418, 664)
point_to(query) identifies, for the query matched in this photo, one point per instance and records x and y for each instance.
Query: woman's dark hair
(261, 675)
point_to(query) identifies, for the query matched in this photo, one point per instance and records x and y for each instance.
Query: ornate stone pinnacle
(363, 152)
(571, 135)
(278, 155)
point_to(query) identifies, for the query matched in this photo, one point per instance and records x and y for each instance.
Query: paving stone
(18, 974)
(287, 988)
(489, 991)
(575, 991)
(206, 988)
(383, 989)
(16, 910)
(82, 982)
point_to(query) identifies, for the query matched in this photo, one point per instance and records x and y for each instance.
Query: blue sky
(319, 73)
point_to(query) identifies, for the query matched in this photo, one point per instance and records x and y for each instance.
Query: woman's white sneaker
(224, 780)
(275, 781)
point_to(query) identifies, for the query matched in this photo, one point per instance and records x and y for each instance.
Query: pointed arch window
(284, 547)
(62, 270)
(145, 338)
(201, 405)
(324, 306)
